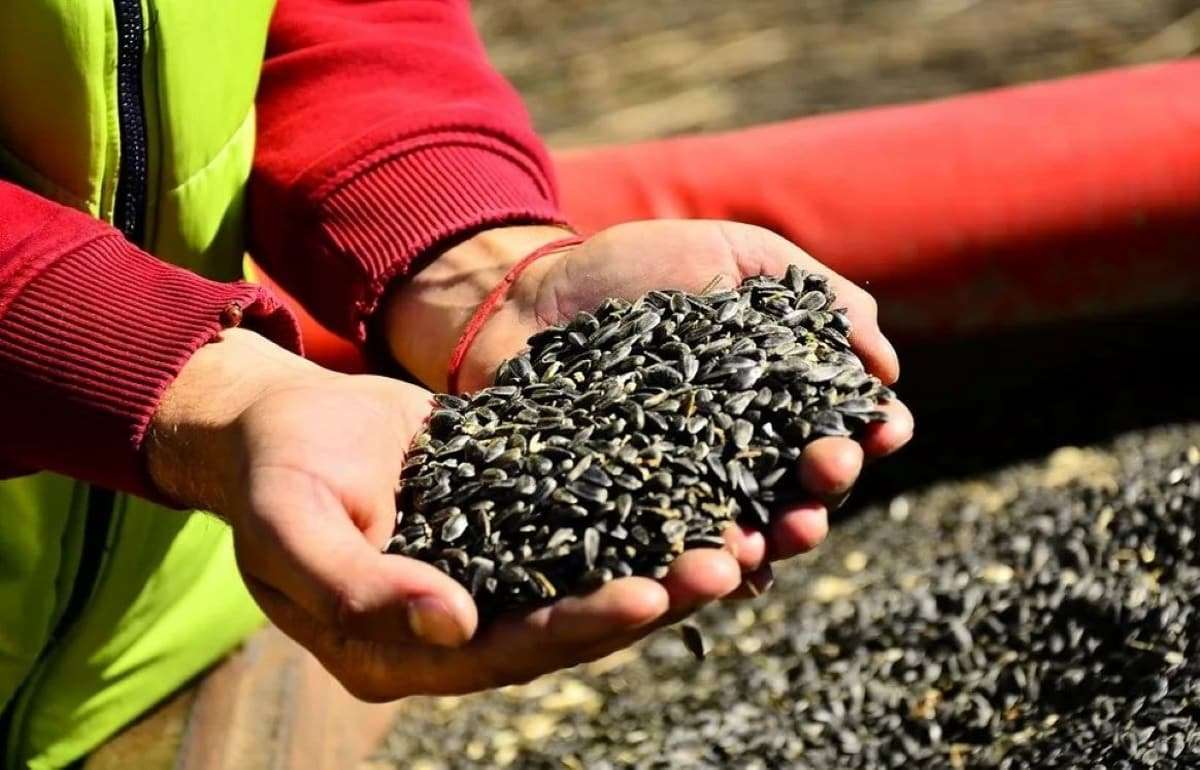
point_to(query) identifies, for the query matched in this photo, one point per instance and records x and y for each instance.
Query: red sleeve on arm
(92, 331)
(384, 133)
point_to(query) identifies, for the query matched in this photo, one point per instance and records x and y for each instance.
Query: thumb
(307, 548)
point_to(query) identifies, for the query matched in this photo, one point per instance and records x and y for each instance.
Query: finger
(570, 631)
(882, 438)
(830, 466)
(759, 251)
(700, 576)
(748, 546)
(513, 649)
(697, 578)
(285, 614)
(343, 658)
(621, 604)
(371, 671)
(798, 530)
(307, 547)
(866, 338)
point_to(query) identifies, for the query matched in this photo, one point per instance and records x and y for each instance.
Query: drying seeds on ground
(1038, 618)
(629, 435)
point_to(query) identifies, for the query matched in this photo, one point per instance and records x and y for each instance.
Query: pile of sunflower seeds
(629, 435)
(1044, 617)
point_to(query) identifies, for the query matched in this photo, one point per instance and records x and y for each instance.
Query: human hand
(627, 261)
(303, 463)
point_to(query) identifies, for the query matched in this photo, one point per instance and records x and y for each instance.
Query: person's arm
(92, 332)
(386, 139)
(396, 180)
(124, 371)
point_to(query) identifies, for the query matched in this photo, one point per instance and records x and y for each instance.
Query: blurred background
(599, 71)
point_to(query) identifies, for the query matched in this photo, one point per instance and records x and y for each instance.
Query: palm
(629, 260)
(321, 459)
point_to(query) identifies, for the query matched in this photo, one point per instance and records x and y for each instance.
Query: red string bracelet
(492, 301)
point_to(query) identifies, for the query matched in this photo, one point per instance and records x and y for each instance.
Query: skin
(302, 463)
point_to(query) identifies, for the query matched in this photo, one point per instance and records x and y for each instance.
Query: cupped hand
(303, 463)
(631, 259)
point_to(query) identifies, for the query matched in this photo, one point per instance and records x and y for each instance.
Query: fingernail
(431, 622)
(895, 356)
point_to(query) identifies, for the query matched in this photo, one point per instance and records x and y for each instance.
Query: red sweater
(383, 134)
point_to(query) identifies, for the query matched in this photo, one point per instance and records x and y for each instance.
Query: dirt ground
(622, 70)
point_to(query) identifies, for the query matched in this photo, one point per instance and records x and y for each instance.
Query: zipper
(129, 216)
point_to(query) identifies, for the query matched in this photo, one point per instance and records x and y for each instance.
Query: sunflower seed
(627, 435)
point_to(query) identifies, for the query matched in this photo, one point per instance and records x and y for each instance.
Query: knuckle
(868, 303)
(347, 611)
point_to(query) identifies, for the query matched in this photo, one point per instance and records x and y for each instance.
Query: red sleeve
(383, 134)
(92, 331)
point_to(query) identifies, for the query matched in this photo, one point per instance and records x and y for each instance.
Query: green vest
(139, 112)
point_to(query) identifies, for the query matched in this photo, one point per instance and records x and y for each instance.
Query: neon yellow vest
(97, 624)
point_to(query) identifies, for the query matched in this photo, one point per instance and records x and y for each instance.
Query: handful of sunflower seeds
(628, 435)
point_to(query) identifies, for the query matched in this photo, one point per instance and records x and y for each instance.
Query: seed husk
(630, 433)
(694, 640)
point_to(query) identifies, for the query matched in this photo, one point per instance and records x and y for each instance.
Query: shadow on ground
(988, 402)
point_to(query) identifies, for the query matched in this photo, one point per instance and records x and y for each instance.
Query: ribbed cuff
(91, 343)
(414, 200)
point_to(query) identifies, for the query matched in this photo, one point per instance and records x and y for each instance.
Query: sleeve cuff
(90, 344)
(411, 200)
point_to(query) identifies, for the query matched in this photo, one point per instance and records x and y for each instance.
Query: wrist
(191, 447)
(424, 317)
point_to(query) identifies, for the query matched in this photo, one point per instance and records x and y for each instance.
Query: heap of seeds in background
(629, 435)
(1041, 618)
